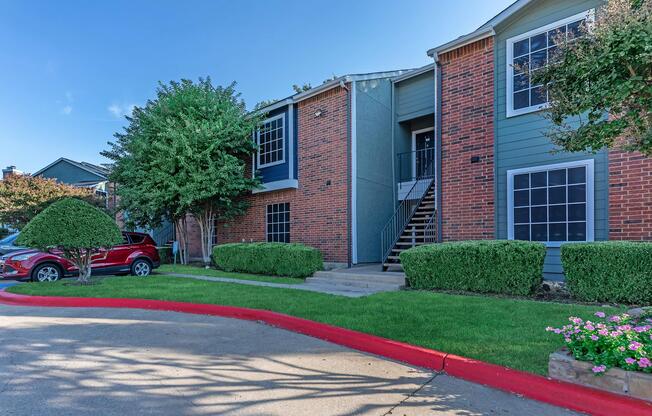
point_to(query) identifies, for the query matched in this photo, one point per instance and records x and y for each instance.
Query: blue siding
(415, 96)
(520, 140)
(281, 171)
(375, 197)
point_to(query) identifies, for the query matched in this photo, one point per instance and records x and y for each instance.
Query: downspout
(438, 136)
(349, 217)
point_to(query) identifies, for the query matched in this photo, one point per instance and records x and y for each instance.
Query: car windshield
(9, 240)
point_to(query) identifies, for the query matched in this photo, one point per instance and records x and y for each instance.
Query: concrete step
(361, 284)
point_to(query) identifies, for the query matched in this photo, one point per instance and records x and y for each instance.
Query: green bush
(279, 259)
(492, 266)
(165, 253)
(609, 271)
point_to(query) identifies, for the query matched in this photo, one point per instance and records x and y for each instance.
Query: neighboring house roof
(484, 31)
(100, 171)
(295, 98)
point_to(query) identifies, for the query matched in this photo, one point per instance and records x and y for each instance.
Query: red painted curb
(558, 393)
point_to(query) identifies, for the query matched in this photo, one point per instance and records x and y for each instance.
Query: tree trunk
(182, 238)
(82, 259)
(206, 220)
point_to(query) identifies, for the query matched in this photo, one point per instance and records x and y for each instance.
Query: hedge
(165, 254)
(278, 259)
(609, 271)
(492, 266)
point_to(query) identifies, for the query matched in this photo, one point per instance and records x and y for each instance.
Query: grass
(503, 331)
(201, 271)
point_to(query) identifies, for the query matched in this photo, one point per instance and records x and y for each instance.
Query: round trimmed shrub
(74, 227)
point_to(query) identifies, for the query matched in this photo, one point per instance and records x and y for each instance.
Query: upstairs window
(552, 204)
(531, 51)
(271, 142)
(278, 223)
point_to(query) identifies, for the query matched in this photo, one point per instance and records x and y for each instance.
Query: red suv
(136, 255)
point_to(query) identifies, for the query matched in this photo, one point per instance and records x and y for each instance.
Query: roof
(484, 31)
(331, 84)
(89, 167)
(414, 73)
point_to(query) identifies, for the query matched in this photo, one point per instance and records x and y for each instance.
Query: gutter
(438, 159)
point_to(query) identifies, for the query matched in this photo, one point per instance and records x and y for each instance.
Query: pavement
(350, 291)
(95, 361)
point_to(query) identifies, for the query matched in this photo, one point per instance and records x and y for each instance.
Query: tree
(600, 84)
(22, 197)
(75, 228)
(185, 153)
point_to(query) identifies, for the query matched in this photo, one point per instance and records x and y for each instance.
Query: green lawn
(504, 331)
(201, 271)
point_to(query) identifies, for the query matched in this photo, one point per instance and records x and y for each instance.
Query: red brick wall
(319, 208)
(467, 131)
(630, 196)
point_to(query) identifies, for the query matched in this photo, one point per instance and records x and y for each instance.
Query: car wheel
(141, 268)
(46, 273)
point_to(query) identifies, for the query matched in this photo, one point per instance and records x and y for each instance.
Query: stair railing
(405, 210)
(430, 230)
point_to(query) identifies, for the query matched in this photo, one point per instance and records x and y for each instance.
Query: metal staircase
(413, 222)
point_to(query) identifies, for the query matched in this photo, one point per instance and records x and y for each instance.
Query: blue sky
(70, 70)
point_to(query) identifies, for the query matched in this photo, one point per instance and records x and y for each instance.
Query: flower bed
(616, 341)
(611, 353)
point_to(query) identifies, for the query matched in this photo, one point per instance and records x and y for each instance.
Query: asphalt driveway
(72, 361)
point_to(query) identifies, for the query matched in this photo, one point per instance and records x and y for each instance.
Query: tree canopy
(185, 152)
(22, 197)
(76, 228)
(600, 84)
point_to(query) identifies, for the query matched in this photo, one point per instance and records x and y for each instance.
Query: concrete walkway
(72, 361)
(349, 291)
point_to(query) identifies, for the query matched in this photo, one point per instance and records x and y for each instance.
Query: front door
(424, 155)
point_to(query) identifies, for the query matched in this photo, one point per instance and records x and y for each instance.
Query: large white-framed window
(531, 51)
(270, 139)
(552, 204)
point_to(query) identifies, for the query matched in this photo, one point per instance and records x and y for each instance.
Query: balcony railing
(419, 163)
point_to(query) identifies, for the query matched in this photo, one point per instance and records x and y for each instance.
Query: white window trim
(509, 79)
(278, 162)
(590, 194)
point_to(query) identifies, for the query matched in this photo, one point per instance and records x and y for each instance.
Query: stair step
(390, 265)
(355, 284)
(350, 276)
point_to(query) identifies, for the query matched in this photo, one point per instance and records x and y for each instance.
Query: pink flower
(600, 314)
(575, 320)
(624, 328)
(549, 329)
(568, 340)
(621, 349)
(616, 334)
(599, 369)
(644, 363)
(630, 360)
(589, 327)
(595, 337)
(640, 329)
(603, 332)
(614, 318)
(635, 345)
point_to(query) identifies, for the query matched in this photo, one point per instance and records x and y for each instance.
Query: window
(553, 204)
(271, 142)
(530, 51)
(278, 223)
(214, 236)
